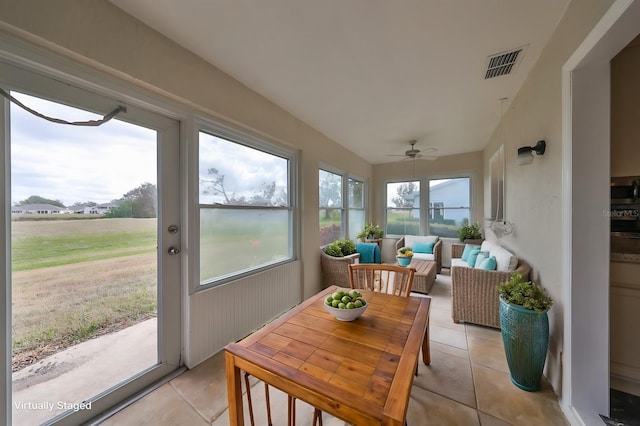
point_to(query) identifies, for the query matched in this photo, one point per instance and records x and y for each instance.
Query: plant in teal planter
(404, 256)
(525, 330)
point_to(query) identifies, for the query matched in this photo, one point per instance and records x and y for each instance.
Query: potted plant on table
(470, 233)
(404, 256)
(371, 232)
(525, 330)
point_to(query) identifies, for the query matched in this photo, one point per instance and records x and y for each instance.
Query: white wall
(533, 192)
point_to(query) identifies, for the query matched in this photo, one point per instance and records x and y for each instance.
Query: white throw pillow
(410, 240)
(487, 246)
(505, 260)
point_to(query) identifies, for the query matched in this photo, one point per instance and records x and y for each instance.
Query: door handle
(173, 251)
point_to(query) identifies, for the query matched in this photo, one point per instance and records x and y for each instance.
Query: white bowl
(345, 314)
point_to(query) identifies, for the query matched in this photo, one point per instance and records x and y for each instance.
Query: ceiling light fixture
(525, 154)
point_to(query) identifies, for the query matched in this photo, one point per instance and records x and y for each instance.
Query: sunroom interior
(142, 55)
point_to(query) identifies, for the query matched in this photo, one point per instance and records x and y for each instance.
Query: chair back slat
(382, 278)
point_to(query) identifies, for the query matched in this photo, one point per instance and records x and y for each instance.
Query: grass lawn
(75, 279)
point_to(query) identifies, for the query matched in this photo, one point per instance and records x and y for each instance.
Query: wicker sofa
(335, 270)
(474, 298)
(437, 248)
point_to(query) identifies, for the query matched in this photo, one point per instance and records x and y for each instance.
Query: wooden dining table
(360, 371)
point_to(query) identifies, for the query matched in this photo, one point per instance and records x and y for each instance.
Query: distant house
(105, 207)
(448, 200)
(37, 209)
(97, 209)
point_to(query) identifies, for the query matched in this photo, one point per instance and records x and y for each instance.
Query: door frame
(586, 186)
(77, 77)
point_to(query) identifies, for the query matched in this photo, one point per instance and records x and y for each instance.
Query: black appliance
(625, 190)
(625, 214)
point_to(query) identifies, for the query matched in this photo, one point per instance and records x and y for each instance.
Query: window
(246, 213)
(331, 212)
(356, 208)
(333, 225)
(403, 208)
(452, 208)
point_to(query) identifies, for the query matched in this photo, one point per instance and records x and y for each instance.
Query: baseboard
(625, 385)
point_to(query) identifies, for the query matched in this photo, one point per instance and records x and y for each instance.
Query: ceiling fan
(414, 153)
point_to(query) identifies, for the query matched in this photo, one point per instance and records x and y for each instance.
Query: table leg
(426, 347)
(234, 391)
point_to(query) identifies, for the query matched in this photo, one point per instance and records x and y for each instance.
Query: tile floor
(466, 384)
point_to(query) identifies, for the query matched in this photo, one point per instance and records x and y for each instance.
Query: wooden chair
(383, 278)
(291, 406)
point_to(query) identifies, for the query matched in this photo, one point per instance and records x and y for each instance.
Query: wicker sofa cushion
(411, 240)
(424, 256)
(456, 261)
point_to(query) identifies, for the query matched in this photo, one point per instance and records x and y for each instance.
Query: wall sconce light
(525, 154)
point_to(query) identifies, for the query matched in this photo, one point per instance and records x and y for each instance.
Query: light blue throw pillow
(471, 259)
(489, 264)
(481, 256)
(465, 253)
(423, 248)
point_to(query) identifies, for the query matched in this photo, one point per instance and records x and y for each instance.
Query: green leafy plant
(405, 251)
(371, 230)
(340, 248)
(469, 232)
(527, 294)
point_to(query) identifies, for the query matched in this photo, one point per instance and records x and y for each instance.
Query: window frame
(349, 208)
(346, 177)
(260, 143)
(425, 202)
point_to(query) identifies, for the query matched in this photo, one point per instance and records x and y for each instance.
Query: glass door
(95, 242)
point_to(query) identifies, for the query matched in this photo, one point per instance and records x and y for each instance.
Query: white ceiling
(369, 74)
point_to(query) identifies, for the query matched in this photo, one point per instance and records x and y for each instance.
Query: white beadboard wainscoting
(229, 312)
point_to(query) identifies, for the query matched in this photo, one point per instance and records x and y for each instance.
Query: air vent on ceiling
(503, 63)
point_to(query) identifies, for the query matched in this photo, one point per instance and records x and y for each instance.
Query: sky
(246, 170)
(76, 164)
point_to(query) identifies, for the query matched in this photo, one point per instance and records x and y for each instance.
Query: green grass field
(75, 279)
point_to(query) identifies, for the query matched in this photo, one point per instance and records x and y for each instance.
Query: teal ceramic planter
(403, 260)
(525, 335)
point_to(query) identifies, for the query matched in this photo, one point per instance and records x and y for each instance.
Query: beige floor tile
(442, 318)
(448, 336)
(486, 352)
(492, 334)
(205, 387)
(487, 420)
(500, 398)
(448, 376)
(163, 406)
(450, 350)
(428, 408)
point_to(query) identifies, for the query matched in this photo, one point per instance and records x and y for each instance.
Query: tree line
(140, 202)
